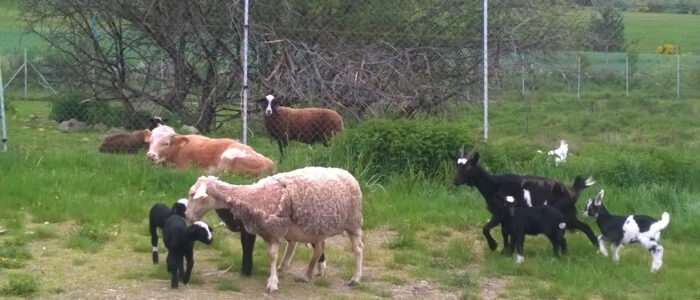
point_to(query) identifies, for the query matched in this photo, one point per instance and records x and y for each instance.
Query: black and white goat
(156, 219)
(179, 239)
(527, 191)
(620, 230)
(534, 220)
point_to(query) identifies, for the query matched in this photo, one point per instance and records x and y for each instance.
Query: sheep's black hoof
(155, 258)
(493, 245)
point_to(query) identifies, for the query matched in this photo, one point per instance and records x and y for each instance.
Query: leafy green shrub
(21, 285)
(394, 146)
(84, 110)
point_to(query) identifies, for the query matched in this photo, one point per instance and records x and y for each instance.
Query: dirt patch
(122, 269)
(491, 288)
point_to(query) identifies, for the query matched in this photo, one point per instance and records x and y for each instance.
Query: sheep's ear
(201, 192)
(599, 198)
(147, 136)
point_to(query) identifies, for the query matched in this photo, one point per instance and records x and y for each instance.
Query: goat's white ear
(599, 198)
(201, 192)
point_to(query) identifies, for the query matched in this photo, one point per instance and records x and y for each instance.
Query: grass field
(76, 219)
(654, 29)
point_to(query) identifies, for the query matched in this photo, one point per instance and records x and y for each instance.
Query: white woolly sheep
(156, 219)
(305, 205)
(307, 125)
(179, 239)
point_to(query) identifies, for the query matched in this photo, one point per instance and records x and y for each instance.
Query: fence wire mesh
(118, 65)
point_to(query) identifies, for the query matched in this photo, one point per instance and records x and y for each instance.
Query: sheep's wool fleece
(320, 201)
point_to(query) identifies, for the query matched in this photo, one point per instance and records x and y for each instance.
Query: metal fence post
(25, 73)
(244, 114)
(2, 112)
(627, 76)
(678, 75)
(578, 90)
(486, 72)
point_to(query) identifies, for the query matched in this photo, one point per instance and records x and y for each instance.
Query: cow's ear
(180, 140)
(147, 136)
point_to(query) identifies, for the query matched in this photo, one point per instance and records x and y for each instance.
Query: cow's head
(162, 141)
(466, 167)
(269, 104)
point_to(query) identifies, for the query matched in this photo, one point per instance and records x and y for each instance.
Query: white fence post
(25, 73)
(2, 112)
(486, 72)
(678, 75)
(627, 76)
(578, 90)
(244, 113)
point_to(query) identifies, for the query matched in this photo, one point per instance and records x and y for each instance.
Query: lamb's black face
(466, 167)
(593, 206)
(202, 232)
(269, 104)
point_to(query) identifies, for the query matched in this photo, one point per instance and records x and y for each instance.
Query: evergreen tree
(606, 29)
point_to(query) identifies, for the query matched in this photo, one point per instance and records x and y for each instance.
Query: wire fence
(361, 60)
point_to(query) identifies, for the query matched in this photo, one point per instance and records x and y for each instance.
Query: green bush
(84, 110)
(402, 145)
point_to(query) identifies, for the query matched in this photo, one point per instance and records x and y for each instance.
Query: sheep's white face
(271, 105)
(199, 202)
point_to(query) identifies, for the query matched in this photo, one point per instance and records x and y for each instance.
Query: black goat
(156, 219)
(179, 239)
(526, 190)
(620, 230)
(534, 220)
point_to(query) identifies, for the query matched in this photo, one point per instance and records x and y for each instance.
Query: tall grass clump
(21, 285)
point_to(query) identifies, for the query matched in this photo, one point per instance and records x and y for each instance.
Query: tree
(407, 57)
(606, 29)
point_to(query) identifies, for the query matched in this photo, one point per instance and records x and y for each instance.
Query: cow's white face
(160, 140)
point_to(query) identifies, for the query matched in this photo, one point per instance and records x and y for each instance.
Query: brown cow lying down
(128, 142)
(215, 155)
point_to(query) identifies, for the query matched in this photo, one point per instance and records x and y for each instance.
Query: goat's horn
(461, 151)
(471, 153)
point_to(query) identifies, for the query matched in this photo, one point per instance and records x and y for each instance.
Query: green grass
(654, 29)
(641, 151)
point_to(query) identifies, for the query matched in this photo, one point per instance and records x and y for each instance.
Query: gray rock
(71, 125)
(189, 129)
(100, 127)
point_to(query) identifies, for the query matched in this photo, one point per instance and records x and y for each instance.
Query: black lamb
(156, 219)
(179, 239)
(534, 220)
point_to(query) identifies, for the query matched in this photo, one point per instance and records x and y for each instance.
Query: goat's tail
(580, 183)
(661, 224)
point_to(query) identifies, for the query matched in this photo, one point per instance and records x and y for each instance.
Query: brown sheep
(307, 125)
(129, 142)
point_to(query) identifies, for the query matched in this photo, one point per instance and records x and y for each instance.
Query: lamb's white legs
(288, 254)
(656, 251)
(357, 246)
(616, 251)
(272, 250)
(321, 268)
(318, 250)
(601, 246)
